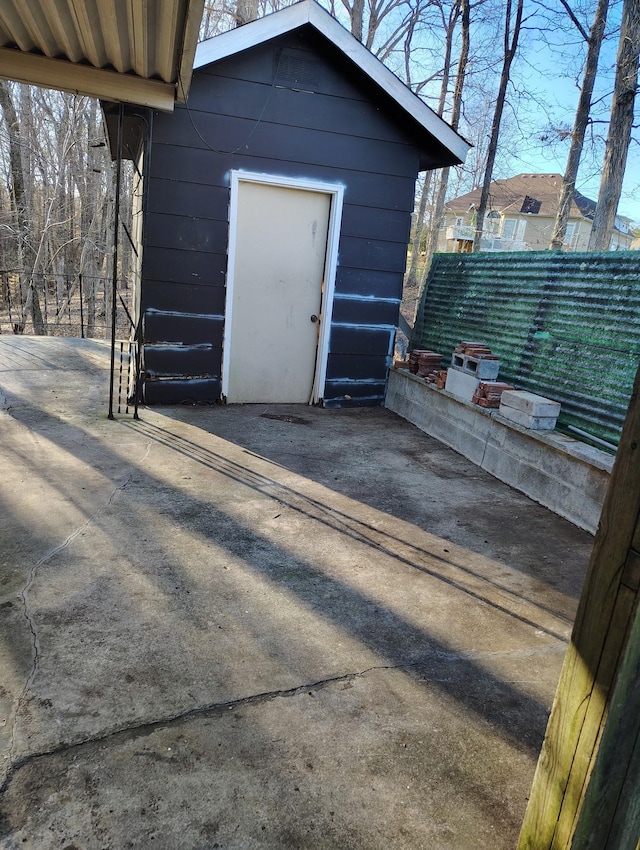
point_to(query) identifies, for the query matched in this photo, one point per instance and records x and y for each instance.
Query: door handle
(314, 318)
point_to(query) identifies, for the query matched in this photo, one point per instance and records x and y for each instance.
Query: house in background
(520, 217)
(277, 214)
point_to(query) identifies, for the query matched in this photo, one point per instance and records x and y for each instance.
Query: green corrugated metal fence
(566, 326)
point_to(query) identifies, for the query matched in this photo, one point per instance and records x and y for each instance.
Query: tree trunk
(246, 11)
(89, 295)
(580, 125)
(412, 276)
(620, 124)
(18, 189)
(89, 183)
(22, 212)
(510, 47)
(357, 19)
(418, 227)
(39, 326)
(455, 120)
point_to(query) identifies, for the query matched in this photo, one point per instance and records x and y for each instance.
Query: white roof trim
(309, 12)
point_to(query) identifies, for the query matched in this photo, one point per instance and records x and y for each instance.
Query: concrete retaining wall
(563, 474)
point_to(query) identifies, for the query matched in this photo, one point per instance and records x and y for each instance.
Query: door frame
(336, 191)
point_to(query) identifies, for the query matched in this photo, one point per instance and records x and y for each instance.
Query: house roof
(119, 50)
(309, 13)
(533, 194)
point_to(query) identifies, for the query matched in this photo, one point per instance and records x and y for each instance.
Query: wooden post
(586, 789)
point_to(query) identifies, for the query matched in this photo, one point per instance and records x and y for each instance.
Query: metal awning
(132, 51)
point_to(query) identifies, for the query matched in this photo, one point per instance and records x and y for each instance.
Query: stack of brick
(424, 363)
(489, 393)
(440, 379)
(529, 410)
(471, 363)
(401, 364)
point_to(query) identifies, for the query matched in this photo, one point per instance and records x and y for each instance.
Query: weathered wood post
(586, 790)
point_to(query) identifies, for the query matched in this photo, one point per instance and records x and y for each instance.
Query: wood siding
(244, 113)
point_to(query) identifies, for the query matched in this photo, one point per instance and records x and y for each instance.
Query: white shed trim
(336, 192)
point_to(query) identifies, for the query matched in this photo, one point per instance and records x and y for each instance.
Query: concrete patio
(263, 626)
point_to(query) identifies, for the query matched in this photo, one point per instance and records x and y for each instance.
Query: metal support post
(116, 228)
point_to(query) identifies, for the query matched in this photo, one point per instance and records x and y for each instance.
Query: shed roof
(119, 50)
(309, 13)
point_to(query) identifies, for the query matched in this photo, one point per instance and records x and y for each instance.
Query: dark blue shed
(277, 218)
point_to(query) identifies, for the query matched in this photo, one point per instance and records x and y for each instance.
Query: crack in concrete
(29, 615)
(147, 727)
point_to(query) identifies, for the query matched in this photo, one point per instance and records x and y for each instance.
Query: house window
(570, 232)
(508, 228)
(459, 220)
(493, 222)
(530, 206)
(621, 225)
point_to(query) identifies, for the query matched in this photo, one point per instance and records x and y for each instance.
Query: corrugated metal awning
(133, 51)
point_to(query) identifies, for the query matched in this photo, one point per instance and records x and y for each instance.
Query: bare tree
(594, 42)
(89, 173)
(22, 210)
(386, 27)
(620, 124)
(53, 150)
(455, 120)
(449, 20)
(512, 27)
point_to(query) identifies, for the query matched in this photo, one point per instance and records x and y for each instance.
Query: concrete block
(526, 420)
(461, 384)
(530, 403)
(486, 370)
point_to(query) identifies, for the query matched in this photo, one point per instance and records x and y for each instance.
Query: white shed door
(278, 272)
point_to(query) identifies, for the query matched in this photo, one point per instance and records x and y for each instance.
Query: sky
(543, 93)
(550, 68)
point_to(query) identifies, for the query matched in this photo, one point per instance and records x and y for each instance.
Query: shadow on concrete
(393, 467)
(395, 641)
(401, 550)
(205, 571)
